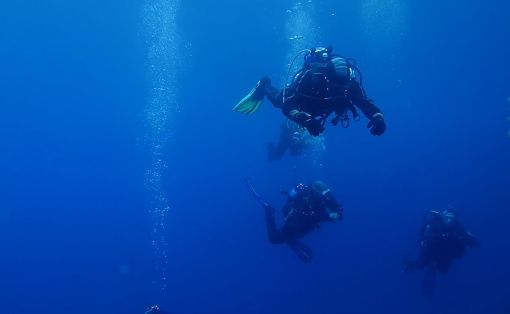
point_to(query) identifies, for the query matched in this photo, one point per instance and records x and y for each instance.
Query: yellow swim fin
(251, 102)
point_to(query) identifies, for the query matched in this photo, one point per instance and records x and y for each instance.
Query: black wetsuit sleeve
(470, 239)
(368, 108)
(461, 232)
(359, 99)
(332, 204)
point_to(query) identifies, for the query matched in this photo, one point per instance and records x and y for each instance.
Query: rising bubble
(162, 58)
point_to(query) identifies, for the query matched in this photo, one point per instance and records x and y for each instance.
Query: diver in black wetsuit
(442, 240)
(306, 208)
(292, 139)
(326, 84)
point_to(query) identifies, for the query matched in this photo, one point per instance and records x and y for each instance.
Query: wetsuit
(303, 213)
(319, 98)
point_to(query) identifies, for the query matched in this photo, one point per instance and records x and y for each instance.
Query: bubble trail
(162, 61)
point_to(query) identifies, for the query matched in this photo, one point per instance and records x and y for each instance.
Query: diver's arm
(336, 211)
(470, 239)
(377, 125)
(369, 109)
(358, 98)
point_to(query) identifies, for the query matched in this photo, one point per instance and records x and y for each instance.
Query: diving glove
(335, 216)
(299, 117)
(377, 125)
(306, 120)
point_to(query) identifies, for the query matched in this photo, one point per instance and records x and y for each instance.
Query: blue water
(104, 209)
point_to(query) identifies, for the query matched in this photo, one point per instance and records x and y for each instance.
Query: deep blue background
(75, 229)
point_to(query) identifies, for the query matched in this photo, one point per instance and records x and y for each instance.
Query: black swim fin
(262, 201)
(303, 252)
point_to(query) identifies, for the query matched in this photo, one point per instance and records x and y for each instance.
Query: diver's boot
(259, 90)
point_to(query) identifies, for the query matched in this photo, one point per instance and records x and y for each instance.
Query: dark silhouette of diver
(326, 84)
(442, 239)
(293, 138)
(306, 208)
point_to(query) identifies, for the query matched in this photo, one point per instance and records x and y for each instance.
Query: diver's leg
(276, 152)
(275, 235)
(291, 234)
(285, 235)
(429, 281)
(274, 95)
(425, 259)
(443, 265)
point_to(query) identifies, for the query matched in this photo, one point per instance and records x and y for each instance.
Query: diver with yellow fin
(326, 84)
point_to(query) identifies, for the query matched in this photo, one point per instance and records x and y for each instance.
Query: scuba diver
(326, 83)
(294, 139)
(442, 240)
(306, 208)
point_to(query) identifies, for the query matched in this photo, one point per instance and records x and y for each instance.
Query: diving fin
(262, 201)
(303, 252)
(251, 102)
